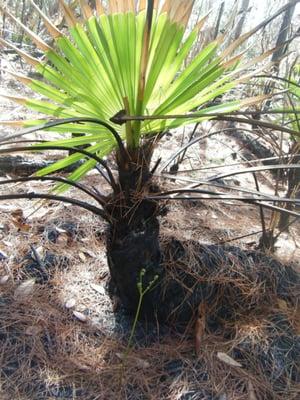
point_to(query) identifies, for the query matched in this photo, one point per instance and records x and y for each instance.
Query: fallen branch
(20, 166)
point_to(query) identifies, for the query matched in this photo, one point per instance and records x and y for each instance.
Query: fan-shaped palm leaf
(127, 57)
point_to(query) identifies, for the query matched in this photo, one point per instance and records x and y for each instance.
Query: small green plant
(142, 293)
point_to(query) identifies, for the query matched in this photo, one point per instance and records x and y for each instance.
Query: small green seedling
(142, 293)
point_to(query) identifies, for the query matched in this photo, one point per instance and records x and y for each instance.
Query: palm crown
(131, 56)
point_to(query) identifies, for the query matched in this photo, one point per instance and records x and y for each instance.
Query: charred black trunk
(23, 167)
(129, 250)
(133, 236)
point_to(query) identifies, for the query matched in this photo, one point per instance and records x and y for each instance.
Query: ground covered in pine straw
(62, 337)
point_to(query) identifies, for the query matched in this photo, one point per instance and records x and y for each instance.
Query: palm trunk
(133, 244)
(133, 236)
(129, 250)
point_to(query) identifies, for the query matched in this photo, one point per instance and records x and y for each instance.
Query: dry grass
(46, 353)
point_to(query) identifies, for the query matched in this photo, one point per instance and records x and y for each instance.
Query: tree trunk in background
(240, 25)
(293, 191)
(3, 35)
(283, 36)
(23, 19)
(281, 50)
(38, 28)
(220, 14)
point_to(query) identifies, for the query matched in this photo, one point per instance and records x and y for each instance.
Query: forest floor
(61, 335)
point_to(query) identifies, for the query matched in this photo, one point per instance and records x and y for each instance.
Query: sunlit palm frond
(129, 55)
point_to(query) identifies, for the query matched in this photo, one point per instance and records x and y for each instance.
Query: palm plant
(293, 178)
(118, 75)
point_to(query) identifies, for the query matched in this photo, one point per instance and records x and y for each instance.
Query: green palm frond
(129, 55)
(293, 87)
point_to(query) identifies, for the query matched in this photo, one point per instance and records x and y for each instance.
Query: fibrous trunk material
(133, 236)
(129, 250)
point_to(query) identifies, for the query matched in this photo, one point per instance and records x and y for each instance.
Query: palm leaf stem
(83, 188)
(79, 203)
(111, 180)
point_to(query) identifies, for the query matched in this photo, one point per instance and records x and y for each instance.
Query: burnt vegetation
(125, 293)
